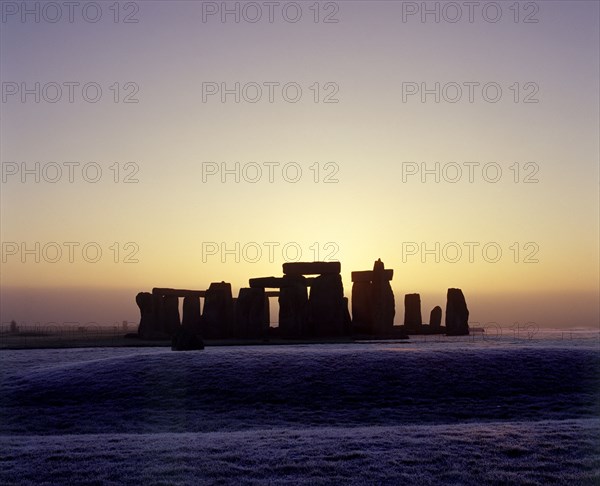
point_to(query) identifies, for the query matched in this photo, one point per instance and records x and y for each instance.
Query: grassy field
(433, 412)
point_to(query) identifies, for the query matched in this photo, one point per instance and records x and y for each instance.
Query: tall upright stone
(326, 306)
(361, 307)
(435, 318)
(347, 318)
(250, 314)
(148, 320)
(382, 300)
(218, 315)
(412, 313)
(191, 319)
(373, 304)
(457, 314)
(158, 306)
(293, 307)
(171, 322)
(267, 313)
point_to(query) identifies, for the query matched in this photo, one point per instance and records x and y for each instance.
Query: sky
(174, 144)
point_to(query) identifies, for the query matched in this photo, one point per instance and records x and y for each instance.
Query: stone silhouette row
(223, 317)
(457, 315)
(322, 312)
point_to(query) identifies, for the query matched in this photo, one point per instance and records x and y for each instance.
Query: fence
(64, 335)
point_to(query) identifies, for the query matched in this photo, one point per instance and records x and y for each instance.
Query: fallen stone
(185, 340)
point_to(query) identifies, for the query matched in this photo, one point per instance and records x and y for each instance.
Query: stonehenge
(311, 305)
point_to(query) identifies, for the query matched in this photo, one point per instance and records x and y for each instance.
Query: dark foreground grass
(529, 453)
(385, 413)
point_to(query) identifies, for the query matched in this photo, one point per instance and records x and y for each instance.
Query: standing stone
(218, 315)
(457, 314)
(326, 306)
(435, 318)
(250, 314)
(267, 314)
(191, 314)
(293, 303)
(171, 321)
(147, 327)
(382, 301)
(361, 307)
(412, 313)
(347, 318)
(158, 307)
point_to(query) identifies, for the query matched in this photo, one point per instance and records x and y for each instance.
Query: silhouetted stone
(218, 315)
(367, 275)
(191, 314)
(266, 283)
(267, 312)
(311, 268)
(383, 306)
(171, 322)
(412, 312)
(293, 307)
(373, 303)
(362, 314)
(457, 314)
(277, 282)
(326, 306)
(250, 314)
(178, 292)
(152, 316)
(435, 319)
(145, 302)
(347, 318)
(185, 340)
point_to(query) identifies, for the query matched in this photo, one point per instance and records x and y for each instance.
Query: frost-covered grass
(404, 413)
(533, 453)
